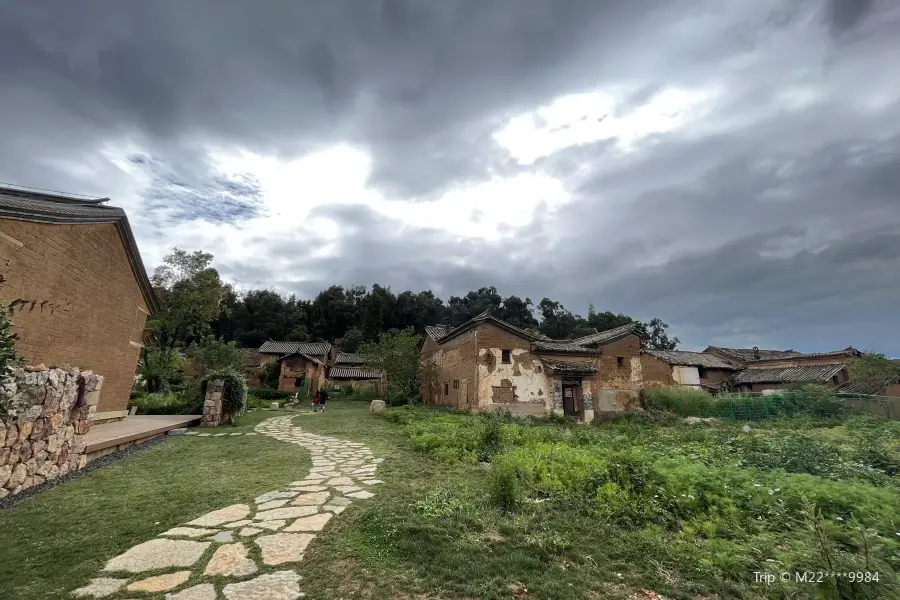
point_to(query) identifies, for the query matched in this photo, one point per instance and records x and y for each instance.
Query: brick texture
(75, 301)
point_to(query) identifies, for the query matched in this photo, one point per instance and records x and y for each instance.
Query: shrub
(505, 490)
(166, 403)
(234, 392)
(267, 394)
(491, 436)
(682, 401)
(9, 358)
(814, 399)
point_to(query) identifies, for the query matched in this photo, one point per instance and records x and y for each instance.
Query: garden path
(247, 552)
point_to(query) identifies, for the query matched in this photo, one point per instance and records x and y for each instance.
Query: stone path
(220, 555)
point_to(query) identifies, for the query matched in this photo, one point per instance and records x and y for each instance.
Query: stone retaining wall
(212, 403)
(45, 415)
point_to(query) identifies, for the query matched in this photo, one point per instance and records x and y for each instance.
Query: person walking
(316, 402)
(323, 398)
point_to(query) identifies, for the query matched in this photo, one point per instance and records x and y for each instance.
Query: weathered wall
(686, 375)
(458, 358)
(44, 420)
(893, 390)
(612, 375)
(75, 301)
(522, 381)
(297, 367)
(655, 371)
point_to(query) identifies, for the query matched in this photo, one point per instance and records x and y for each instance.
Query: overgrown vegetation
(684, 401)
(9, 358)
(396, 354)
(706, 505)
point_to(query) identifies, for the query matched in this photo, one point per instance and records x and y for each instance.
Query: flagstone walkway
(223, 554)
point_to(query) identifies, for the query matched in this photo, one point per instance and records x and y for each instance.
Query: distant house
(780, 369)
(349, 369)
(694, 369)
(888, 386)
(488, 363)
(71, 272)
(304, 365)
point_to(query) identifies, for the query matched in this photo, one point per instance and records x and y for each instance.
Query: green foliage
(396, 354)
(505, 490)
(810, 399)
(269, 394)
(158, 367)
(8, 355)
(211, 354)
(874, 366)
(491, 436)
(166, 403)
(270, 375)
(234, 393)
(680, 400)
(353, 338)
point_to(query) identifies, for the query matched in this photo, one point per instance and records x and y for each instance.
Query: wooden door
(463, 393)
(569, 400)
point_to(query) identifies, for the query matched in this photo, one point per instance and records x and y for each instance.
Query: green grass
(58, 540)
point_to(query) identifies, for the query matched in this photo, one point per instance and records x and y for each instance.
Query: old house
(781, 369)
(304, 365)
(349, 370)
(72, 275)
(694, 369)
(486, 363)
(886, 386)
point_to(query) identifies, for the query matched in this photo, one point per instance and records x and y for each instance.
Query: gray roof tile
(693, 359)
(282, 348)
(805, 373)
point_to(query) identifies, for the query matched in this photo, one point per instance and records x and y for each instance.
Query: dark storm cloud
(770, 219)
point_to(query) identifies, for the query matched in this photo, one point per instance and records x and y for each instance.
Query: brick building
(486, 363)
(349, 370)
(699, 370)
(72, 275)
(304, 365)
(763, 370)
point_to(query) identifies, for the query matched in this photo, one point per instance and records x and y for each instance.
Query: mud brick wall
(75, 301)
(45, 416)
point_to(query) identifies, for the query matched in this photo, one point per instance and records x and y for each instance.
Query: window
(701, 372)
(835, 380)
(298, 382)
(446, 389)
(506, 356)
(456, 384)
(620, 361)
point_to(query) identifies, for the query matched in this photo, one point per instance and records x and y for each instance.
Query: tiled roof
(851, 351)
(564, 346)
(347, 358)
(749, 354)
(693, 359)
(867, 387)
(486, 317)
(569, 368)
(352, 373)
(811, 373)
(606, 336)
(282, 348)
(41, 207)
(437, 332)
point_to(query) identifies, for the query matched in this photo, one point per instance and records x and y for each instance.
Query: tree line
(196, 303)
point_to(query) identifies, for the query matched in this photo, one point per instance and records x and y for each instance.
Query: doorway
(571, 398)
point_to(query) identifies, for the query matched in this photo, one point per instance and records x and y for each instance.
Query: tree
(158, 367)
(874, 366)
(191, 296)
(211, 354)
(396, 354)
(653, 334)
(352, 340)
(518, 312)
(556, 321)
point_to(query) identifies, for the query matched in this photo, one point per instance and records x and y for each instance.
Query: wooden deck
(108, 437)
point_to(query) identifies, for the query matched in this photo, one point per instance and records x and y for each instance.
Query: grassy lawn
(609, 511)
(56, 541)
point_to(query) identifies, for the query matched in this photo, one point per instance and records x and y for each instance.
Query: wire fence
(687, 402)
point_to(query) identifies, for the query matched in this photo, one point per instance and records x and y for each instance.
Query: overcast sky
(731, 166)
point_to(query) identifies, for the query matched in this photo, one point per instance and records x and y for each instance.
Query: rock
(310, 488)
(25, 451)
(222, 537)
(288, 512)
(334, 508)
(231, 560)
(363, 495)
(280, 585)
(100, 587)
(158, 554)
(19, 473)
(37, 429)
(377, 406)
(190, 532)
(5, 473)
(36, 368)
(313, 523)
(745, 429)
(2, 435)
(271, 525)
(280, 548)
(12, 435)
(235, 512)
(249, 531)
(240, 523)
(31, 466)
(314, 499)
(4, 457)
(272, 504)
(204, 591)
(340, 501)
(273, 406)
(160, 583)
(25, 430)
(179, 431)
(339, 481)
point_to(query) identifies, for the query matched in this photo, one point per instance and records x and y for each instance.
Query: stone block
(30, 466)
(2, 435)
(377, 406)
(18, 475)
(92, 398)
(274, 406)
(25, 452)
(4, 457)
(5, 474)
(25, 430)
(82, 427)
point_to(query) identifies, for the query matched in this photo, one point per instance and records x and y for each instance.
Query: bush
(491, 436)
(505, 491)
(234, 392)
(166, 403)
(267, 394)
(682, 401)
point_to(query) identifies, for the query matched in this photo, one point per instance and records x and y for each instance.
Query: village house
(699, 370)
(764, 370)
(487, 363)
(349, 370)
(304, 365)
(71, 273)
